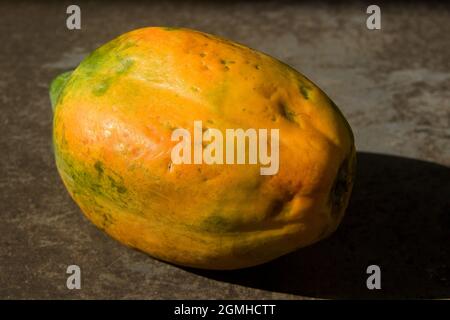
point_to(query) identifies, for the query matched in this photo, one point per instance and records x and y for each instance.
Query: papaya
(113, 119)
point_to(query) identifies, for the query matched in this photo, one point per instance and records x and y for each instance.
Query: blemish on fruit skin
(102, 87)
(118, 186)
(257, 67)
(340, 187)
(286, 112)
(92, 181)
(275, 208)
(99, 167)
(124, 65)
(216, 224)
(304, 89)
(107, 218)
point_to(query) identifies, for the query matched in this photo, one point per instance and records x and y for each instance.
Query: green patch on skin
(106, 64)
(92, 63)
(117, 185)
(91, 182)
(102, 87)
(57, 86)
(217, 224)
(123, 66)
(217, 96)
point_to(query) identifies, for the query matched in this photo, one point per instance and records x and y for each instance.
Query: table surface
(392, 85)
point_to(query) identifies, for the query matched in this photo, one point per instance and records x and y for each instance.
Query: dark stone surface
(391, 84)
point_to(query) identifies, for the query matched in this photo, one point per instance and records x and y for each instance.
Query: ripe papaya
(113, 120)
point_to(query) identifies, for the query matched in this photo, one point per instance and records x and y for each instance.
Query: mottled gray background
(392, 85)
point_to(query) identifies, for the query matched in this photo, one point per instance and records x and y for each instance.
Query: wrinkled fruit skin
(113, 119)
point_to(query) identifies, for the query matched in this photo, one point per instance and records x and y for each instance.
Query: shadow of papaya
(398, 218)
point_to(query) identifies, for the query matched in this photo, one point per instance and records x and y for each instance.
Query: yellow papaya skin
(113, 120)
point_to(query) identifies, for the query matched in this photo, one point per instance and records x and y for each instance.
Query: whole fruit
(113, 120)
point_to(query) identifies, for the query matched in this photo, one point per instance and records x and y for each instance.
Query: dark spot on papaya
(304, 92)
(117, 185)
(216, 224)
(275, 208)
(99, 167)
(227, 68)
(202, 54)
(257, 67)
(107, 219)
(304, 89)
(286, 112)
(341, 187)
